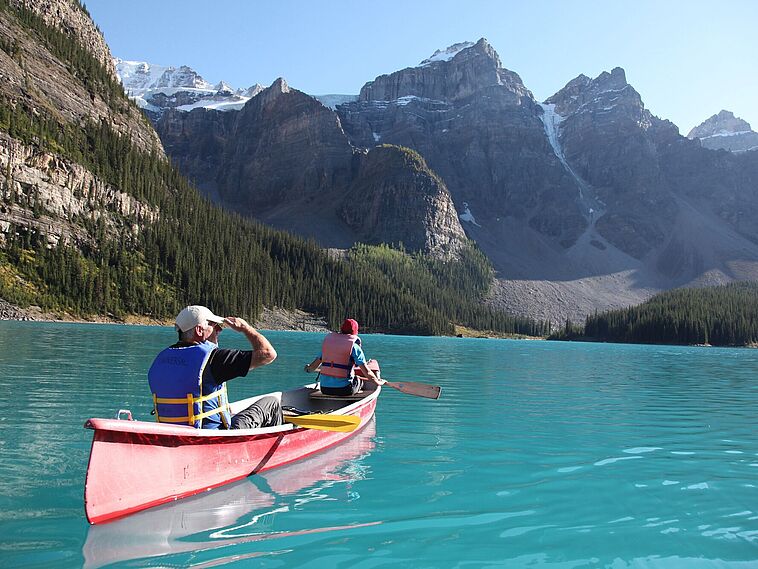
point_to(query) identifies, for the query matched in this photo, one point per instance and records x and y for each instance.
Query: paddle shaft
(410, 387)
(416, 388)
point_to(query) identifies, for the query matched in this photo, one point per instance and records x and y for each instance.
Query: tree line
(725, 315)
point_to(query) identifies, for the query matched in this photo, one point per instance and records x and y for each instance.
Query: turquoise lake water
(538, 454)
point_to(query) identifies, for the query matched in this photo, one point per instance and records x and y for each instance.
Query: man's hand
(237, 324)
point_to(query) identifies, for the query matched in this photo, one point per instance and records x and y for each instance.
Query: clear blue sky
(687, 58)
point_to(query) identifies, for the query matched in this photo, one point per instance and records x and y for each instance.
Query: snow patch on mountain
(467, 215)
(156, 88)
(446, 54)
(724, 133)
(552, 122)
(331, 101)
(213, 105)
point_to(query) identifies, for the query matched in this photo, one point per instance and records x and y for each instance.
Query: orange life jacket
(335, 358)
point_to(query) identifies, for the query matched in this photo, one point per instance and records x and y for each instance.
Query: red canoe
(135, 465)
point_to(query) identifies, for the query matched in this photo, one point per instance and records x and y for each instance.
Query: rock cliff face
(282, 146)
(465, 70)
(644, 175)
(58, 197)
(396, 198)
(287, 146)
(727, 132)
(41, 190)
(285, 160)
(35, 77)
(73, 19)
(608, 138)
(480, 129)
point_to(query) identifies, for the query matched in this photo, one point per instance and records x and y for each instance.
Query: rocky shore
(271, 319)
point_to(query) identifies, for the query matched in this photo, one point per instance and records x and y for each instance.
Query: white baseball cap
(195, 315)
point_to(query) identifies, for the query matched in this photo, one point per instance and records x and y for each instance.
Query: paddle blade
(417, 389)
(341, 423)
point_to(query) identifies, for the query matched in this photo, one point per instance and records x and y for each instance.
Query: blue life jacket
(176, 381)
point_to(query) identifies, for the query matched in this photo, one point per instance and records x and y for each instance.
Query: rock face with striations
(285, 160)
(54, 84)
(44, 192)
(680, 209)
(608, 138)
(480, 129)
(396, 198)
(282, 146)
(727, 132)
(70, 17)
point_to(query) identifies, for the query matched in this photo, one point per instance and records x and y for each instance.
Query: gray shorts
(266, 412)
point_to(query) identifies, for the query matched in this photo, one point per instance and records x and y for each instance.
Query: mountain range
(582, 202)
(96, 222)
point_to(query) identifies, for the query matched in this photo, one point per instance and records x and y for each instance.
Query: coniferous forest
(718, 315)
(195, 252)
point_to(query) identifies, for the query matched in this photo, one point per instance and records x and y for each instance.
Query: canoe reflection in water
(237, 513)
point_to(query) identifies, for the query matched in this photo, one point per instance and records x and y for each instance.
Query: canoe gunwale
(186, 431)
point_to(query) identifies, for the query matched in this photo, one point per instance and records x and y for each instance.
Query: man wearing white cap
(188, 379)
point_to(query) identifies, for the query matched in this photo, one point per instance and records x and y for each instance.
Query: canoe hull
(135, 465)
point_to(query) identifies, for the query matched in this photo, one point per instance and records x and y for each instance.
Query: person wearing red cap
(341, 353)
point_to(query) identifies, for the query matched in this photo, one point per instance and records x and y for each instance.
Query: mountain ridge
(589, 180)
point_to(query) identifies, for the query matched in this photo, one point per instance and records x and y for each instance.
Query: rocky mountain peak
(280, 84)
(616, 79)
(449, 75)
(183, 77)
(463, 50)
(223, 88)
(278, 88)
(724, 123)
(727, 132)
(252, 91)
(138, 77)
(158, 88)
(447, 54)
(605, 92)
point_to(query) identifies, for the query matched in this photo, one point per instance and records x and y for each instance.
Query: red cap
(349, 326)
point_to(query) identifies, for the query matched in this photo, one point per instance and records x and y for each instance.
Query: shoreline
(275, 319)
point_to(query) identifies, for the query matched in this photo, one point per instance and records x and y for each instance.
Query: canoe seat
(316, 394)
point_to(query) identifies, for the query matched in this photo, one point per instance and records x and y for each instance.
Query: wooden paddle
(341, 423)
(407, 387)
(417, 389)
